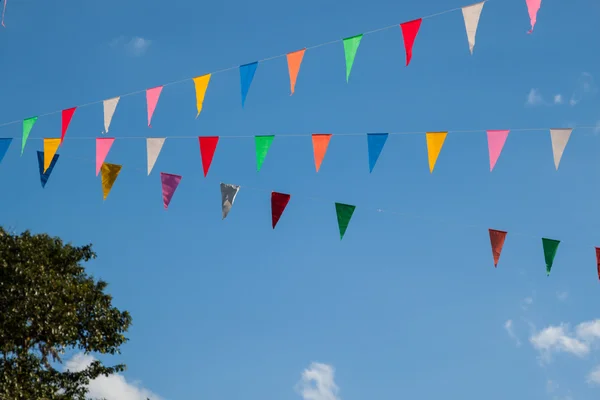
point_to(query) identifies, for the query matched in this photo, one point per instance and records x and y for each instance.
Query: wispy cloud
(317, 383)
(558, 99)
(527, 302)
(562, 296)
(593, 377)
(113, 387)
(584, 87)
(135, 46)
(534, 98)
(560, 339)
(508, 326)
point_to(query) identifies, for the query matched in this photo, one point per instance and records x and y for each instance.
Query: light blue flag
(246, 75)
(376, 141)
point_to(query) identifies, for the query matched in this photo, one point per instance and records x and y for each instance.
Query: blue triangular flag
(44, 176)
(376, 142)
(246, 75)
(4, 145)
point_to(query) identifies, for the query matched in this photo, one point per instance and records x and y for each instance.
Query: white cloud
(585, 87)
(534, 98)
(508, 326)
(557, 339)
(558, 99)
(593, 377)
(527, 301)
(113, 387)
(317, 383)
(562, 296)
(136, 46)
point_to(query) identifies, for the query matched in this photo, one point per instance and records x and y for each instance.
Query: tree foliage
(48, 305)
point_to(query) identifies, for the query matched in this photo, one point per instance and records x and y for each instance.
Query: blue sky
(408, 305)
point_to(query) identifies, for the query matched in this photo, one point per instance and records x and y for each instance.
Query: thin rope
(230, 68)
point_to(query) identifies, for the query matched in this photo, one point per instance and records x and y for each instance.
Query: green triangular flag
(27, 125)
(262, 147)
(350, 47)
(344, 213)
(550, 247)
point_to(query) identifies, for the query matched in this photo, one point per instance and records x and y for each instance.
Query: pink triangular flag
(496, 140)
(152, 96)
(533, 6)
(102, 148)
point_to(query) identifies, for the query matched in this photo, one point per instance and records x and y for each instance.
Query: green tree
(49, 305)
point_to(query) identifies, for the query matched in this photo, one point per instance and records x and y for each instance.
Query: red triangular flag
(208, 145)
(278, 203)
(598, 260)
(497, 239)
(66, 120)
(409, 33)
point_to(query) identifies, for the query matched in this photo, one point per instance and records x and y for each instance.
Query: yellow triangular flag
(435, 141)
(201, 83)
(50, 147)
(109, 173)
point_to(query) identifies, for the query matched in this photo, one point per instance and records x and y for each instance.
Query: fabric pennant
(279, 202)
(320, 143)
(550, 248)
(533, 6)
(153, 148)
(497, 239)
(201, 84)
(435, 141)
(152, 96)
(44, 176)
(559, 138)
(4, 145)
(110, 105)
(208, 145)
(109, 176)
(228, 193)
(67, 115)
(375, 143)
(50, 148)
(496, 140)
(344, 214)
(103, 146)
(471, 16)
(169, 184)
(409, 33)
(598, 260)
(350, 48)
(294, 59)
(247, 72)
(27, 126)
(262, 144)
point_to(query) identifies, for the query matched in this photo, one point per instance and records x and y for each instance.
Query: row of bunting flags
(320, 142)
(471, 15)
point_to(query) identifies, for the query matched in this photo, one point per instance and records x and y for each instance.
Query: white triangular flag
(559, 137)
(471, 15)
(153, 147)
(110, 106)
(228, 193)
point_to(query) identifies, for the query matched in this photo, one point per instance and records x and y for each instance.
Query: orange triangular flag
(320, 142)
(497, 239)
(294, 59)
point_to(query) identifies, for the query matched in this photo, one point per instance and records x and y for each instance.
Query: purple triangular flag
(169, 184)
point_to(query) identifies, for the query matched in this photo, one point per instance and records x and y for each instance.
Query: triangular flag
(598, 260)
(533, 6)
(471, 16)
(169, 184)
(4, 145)
(208, 145)
(350, 48)
(550, 247)
(344, 214)
(152, 96)
(66, 120)
(228, 193)
(27, 126)
(153, 148)
(262, 144)
(496, 140)
(246, 75)
(559, 138)
(435, 141)
(409, 33)
(294, 59)
(320, 143)
(110, 105)
(109, 176)
(375, 143)
(497, 239)
(45, 175)
(201, 84)
(278, 203)
(50, 148)
(103, 146)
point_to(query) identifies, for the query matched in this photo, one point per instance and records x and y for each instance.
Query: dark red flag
(278, 203)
